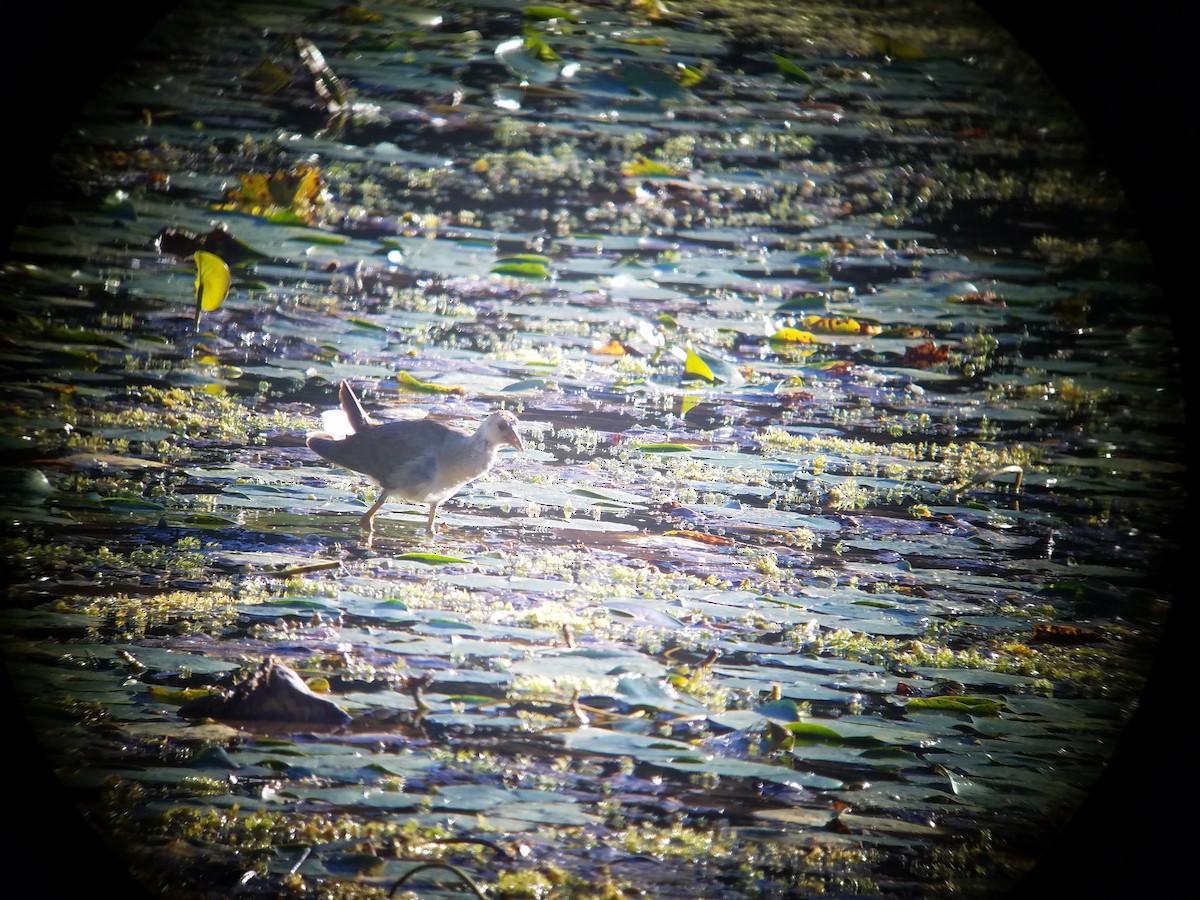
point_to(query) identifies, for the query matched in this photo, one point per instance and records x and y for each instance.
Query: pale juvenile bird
(421, 461)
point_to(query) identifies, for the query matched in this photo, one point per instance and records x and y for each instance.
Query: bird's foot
(368, 527)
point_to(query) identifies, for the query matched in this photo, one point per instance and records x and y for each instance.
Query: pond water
(840, 547)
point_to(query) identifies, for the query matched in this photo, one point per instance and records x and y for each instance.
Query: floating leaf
(525, 258)
(544, 13)
(271, 78)
(813, 732)
(652, 81)
(689, 76)
(536, 46)
(366, 323)
(530, 384)
(286, 217)
(790, 70)
(1065, 634)
(408, 382)
(724, 767)
(803, 301)
(779, 710)
(323, 240)
(980, 706)
(896, 49)
(81, 336)
(926, 355)
(103, 461)
(664, 448)
(353, 14)
(177, 696)
(643, 42)
(612, 348)
(532, 60)
(642, 615)
(793, 336)
(840, 325)
(132, 504)
(297, 190)
(641, 167)
(432, 559)
(521, 270)
(701, 537)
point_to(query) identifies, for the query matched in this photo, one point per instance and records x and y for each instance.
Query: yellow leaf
(648, 168)
(793, 336)
(271, 77)
(177, 696)
(840, 325)
(425, 387)
(689, 76)
(537, 47)
(212, 282)
(694, 365)
(889, 46)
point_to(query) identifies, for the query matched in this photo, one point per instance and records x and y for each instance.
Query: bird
(421, 460)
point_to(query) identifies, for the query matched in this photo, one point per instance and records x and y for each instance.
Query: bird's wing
(406, 438)
(410, 456)
(412, 459)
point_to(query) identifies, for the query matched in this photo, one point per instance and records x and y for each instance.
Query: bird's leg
(430, 526)
(368, 518)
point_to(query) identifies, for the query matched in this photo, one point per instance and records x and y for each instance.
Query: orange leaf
(926, 355)
(1065, 634)
(297, 189)
(701, 537)
(612, 348)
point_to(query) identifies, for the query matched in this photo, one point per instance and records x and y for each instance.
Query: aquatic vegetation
(851, 444)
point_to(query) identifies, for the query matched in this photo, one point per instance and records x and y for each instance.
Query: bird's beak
(514, 439)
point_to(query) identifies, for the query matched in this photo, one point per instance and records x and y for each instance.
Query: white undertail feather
(336, 424)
